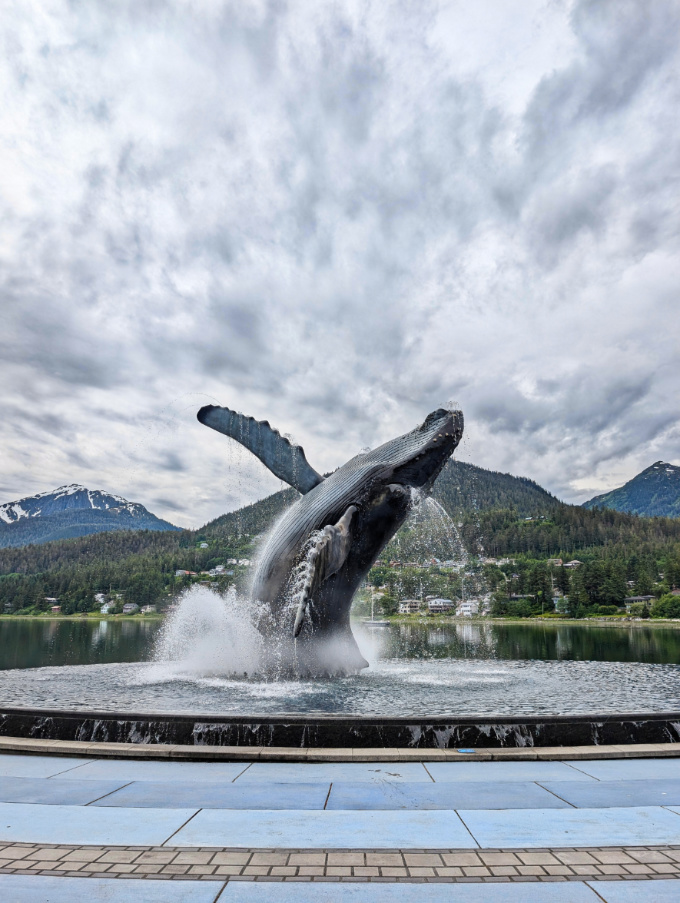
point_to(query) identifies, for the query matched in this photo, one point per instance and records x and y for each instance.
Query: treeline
(564, 529)
(599, 585)
(141, 566)
(465, 489)
(252, 520)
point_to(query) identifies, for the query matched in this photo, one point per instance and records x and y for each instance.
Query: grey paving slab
(288, 829)
(25, 822)
(253, 892)
(137, 770)
(630, 769)
(54, 791)
(278, 772)
(617, 793)
(48, 889)
(505, 771)
(204, 795)
(634, 826)
(446, 795)
(665, 890)
(38, 766)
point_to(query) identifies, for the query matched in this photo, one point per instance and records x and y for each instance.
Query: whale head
(418, 457)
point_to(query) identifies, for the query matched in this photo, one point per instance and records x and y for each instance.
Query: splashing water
(210, 634)
(437, 531)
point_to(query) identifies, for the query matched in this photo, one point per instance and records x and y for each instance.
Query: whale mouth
(428, 448)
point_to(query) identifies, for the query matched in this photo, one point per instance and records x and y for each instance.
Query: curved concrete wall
(341, 732)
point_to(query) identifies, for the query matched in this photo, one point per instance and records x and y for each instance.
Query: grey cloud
(315, 216)
(172, 461)
(174, 504)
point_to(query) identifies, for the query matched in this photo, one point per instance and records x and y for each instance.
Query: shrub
(666, 607)
(518, 608)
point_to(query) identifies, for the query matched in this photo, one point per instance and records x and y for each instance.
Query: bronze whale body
(319, 551)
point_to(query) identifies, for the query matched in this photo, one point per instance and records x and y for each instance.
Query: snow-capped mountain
(653, 493)
(71, 511)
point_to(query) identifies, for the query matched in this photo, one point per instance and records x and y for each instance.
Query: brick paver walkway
(440, 866)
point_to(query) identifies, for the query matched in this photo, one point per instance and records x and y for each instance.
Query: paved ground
(73, 829)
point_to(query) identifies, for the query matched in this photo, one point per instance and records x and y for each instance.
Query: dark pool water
(458, 669)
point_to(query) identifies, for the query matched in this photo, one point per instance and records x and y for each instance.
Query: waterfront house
(467, 609)
(439, 606)
(409, 607)
(631, 600)
(130, 608)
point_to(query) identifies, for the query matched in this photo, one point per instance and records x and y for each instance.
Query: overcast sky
(336, 216)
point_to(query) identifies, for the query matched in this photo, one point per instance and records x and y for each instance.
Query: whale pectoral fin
(325, 559)
(285, 460)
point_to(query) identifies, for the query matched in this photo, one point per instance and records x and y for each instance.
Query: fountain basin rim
(286, 718)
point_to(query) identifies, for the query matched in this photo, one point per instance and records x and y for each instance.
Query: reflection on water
(33, 644)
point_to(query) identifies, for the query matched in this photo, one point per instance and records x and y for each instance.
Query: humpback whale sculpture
(322, 547)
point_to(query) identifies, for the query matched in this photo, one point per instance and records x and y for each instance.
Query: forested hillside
(465, 488)
(567, 529)
(492, 514)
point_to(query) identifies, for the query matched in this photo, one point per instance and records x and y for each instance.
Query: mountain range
(653, 493)
(71, 511)
(464, 490)
(461, 489)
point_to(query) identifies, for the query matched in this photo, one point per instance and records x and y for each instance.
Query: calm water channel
(420, 669)
(36, 644)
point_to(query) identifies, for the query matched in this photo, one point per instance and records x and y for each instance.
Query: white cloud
(335, 217)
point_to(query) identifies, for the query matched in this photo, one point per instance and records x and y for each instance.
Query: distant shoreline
(591, 622)
(438, 620)
(82, 617)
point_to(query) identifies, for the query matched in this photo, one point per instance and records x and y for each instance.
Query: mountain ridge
(654, 492)
(461, 488)
(70, 511)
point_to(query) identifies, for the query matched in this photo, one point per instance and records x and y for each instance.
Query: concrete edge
(87, 749)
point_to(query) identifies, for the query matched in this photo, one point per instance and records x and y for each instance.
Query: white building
(148, 609)
(409, 607)
(467, 609)
(244, 562)
(107, 608)
(439, 606)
